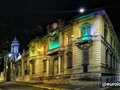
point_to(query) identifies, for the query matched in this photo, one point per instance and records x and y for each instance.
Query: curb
(49, 88)
(42, 87)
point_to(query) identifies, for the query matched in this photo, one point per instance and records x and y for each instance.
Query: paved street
(12, 86)
(115, 88)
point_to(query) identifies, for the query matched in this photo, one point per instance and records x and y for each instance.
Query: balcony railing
(84, 40)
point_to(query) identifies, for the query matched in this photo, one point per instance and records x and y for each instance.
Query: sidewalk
(82, 86)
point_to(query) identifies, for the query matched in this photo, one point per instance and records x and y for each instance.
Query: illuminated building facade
(86, 48)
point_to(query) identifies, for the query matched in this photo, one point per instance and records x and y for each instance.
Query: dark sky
(27, 19)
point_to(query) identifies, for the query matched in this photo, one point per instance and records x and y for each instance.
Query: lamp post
(7, 66)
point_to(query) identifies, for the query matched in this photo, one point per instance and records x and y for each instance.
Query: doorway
(85, 68)
(55, 70)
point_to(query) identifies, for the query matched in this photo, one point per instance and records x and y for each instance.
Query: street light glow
(81, 10)
(9, 55)
(38, 50)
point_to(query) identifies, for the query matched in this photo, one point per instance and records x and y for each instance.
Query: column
(48, 66)
(59, 64)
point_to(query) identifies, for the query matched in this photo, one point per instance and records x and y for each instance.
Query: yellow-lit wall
(96, 51)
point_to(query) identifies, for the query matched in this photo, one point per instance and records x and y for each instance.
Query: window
(25, 67)
(85, 68)
(69, 60)
(106, 59)
(32, 66)
(111, 58)
(54, 40)
(114, 62)
(105, 31)
(32, 51)
(69, 40)
(85, 31)
(19, 69)
(114, 45)
(111, 42)
(44, 65)
(107, 80)
(16, 71)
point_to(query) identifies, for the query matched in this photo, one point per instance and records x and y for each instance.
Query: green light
(85, 31)
(54, 41)
(86, 38)
(85, 16)
(32, 53)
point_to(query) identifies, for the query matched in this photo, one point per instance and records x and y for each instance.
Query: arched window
(69, 59)
(32, 62)
(25, 67)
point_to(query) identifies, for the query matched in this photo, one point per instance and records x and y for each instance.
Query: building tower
(15, 47)
(9, 61)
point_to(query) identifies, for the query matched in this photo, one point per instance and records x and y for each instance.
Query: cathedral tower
(15, 46)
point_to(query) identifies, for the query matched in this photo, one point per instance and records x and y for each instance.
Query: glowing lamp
(81, 10)
(38, 50)
(9, 55)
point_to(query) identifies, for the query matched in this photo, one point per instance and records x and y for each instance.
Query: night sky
(27, 19)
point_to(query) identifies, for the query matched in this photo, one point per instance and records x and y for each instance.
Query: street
(115, 88)
(16, 86)
(13, 86)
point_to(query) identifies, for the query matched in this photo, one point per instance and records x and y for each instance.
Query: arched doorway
(55, 68)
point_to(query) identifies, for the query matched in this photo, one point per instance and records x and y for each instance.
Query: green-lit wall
(54, 40)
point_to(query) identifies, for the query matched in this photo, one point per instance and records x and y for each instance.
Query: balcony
(84, 40)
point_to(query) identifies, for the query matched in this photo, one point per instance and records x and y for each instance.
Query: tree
(3, 44)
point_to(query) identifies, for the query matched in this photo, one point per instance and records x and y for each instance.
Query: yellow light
(38, 50)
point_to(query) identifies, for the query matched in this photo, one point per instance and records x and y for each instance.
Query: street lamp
(7, 63)
(9, 55)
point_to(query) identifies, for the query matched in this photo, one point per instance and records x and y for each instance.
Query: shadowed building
(87, 48)
(9, 61)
